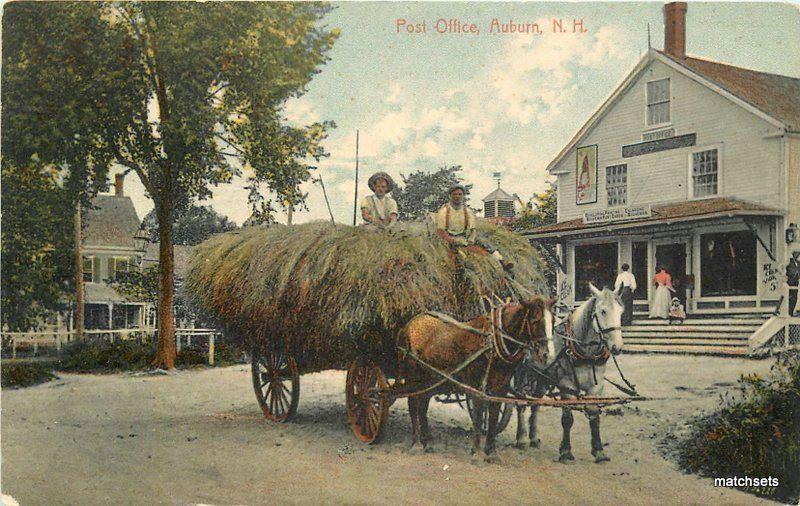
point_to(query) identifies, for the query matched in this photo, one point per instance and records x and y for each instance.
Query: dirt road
(198, 437)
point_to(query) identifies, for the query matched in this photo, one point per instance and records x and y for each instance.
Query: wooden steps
(688, 350)
(713, 335)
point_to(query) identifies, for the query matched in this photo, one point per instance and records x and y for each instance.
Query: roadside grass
(25, 373)
(102, 357)
(755, 435)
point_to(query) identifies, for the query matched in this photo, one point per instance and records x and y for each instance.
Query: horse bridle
(573, 344)
(499, 337)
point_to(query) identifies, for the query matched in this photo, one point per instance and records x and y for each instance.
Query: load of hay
(333, 293)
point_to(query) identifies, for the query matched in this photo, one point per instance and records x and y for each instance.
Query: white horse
(577, 366)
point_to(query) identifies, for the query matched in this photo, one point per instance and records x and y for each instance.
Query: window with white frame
(117, 265)
(658, 102)
(88, 271)
(617, 185)
(705, 173)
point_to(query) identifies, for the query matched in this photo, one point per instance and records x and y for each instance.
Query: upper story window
(705, 173)
(117, 265)
(658, 102)
(617, 185)
(88, 270)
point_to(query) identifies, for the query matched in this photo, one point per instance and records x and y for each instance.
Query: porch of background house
(726, 272)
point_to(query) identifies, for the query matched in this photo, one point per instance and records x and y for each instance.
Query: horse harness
(575, 353)
(495, 346)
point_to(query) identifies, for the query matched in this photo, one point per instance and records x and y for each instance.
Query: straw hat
(455, 187)
(381, 175)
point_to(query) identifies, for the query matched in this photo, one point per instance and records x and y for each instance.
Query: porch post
(111, 320)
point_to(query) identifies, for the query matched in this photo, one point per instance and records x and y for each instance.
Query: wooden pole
(289, 210)
(355, 202)
(78, 274)
(325, 194)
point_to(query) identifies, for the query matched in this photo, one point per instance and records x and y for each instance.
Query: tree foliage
(540, 210)
(185, 94)
(62, 110)
(192, 226)
(425, 192)
(37, 246)
(138, 285)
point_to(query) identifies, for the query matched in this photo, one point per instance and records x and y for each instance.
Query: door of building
(673, 257)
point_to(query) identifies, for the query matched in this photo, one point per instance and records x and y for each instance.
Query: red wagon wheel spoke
(367, 393)
(276, 381)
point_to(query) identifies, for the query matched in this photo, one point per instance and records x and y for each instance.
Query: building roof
(112, 224)
(181, 256)
(100, 293)
(498, 194)
(774, 94)
(773, 97)
(663, 213)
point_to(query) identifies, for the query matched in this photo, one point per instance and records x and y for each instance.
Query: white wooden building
(694, 165)
(109, 247)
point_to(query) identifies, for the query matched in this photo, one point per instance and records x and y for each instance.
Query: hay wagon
(317, 297)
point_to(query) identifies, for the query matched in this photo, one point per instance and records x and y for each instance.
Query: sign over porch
(618, 214)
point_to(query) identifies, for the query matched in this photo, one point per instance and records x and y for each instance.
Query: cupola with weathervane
(498, 204)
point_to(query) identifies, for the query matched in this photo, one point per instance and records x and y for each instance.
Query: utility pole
(355, 201)
(78, 274)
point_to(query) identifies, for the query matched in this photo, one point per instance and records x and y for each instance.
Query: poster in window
(586, 175)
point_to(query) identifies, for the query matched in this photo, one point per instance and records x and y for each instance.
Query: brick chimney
(118, 180)
(675, 29)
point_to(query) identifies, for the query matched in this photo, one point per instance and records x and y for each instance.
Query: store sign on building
(617, 214)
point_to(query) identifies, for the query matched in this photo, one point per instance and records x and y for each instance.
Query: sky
(489, 102)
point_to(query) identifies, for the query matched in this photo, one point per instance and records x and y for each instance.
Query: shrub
(93, 356)
(19, 374)
(756, 436)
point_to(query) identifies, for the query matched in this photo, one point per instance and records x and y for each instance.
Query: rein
(495, 347)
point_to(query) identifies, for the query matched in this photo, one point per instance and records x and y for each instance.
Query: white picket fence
(34, 340)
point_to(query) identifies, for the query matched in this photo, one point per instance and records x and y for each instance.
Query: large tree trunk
(78, 275)
(165, 356)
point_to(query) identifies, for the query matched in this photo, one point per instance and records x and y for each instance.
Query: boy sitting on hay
(455, 223)
(379, 209)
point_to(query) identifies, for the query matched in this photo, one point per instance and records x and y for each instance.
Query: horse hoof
(493, 458)
(430, 449)
(536, 443)
(476, 460)
(521, 445)
(600, 457)
(566, 458)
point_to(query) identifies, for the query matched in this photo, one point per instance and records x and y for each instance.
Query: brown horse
(445, 346)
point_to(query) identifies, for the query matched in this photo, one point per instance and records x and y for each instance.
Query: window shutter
(95, 269)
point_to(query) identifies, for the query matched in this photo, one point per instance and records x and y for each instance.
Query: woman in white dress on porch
(659, 308)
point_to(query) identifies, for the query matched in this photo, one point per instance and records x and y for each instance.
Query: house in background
(693, 165)
(110, 247)
(181, 254)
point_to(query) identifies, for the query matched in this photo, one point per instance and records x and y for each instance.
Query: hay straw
(333, 292)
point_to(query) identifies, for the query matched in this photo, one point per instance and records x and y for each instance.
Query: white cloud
(497, 121)
(300, 111)
(535, 77)
(395, 92)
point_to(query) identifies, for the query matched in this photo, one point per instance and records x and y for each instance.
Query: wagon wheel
(505, 416)
(276, 381)
(367, 395)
